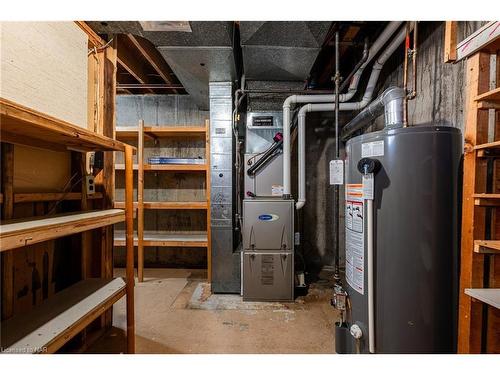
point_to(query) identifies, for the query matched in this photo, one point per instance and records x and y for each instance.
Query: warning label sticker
(276, 190)
(372, 149)
(355, 237)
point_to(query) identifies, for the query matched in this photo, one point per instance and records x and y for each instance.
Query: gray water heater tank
(415, 238)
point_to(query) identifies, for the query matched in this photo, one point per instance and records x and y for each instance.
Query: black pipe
(336, 200)
(366, 53)
(267, 155)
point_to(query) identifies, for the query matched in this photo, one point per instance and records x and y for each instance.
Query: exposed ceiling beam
(148, 86)
(94, 39)
(129, 61)
(154, 57)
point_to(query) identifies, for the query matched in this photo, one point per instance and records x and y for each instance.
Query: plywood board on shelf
(37, 170)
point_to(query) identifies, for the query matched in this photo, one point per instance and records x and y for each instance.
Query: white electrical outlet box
(90, 184)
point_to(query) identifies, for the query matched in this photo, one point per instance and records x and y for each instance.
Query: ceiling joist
(154, 58)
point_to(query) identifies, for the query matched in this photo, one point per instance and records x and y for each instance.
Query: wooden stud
(129, 217)
(140, 204)
(7, 258)
(450, 41)
(473, 218)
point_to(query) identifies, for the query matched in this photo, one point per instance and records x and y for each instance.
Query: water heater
(413, 227)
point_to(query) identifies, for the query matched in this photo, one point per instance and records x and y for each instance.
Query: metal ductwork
(280, 51)
(389, 102)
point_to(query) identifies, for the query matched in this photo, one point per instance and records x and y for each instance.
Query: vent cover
(179, 26)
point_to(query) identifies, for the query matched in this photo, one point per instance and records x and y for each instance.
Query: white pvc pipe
(371, 304)
(291, 100)
(374, 49)
(326, 104)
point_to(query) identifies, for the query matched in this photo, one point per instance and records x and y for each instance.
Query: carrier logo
(268, 217)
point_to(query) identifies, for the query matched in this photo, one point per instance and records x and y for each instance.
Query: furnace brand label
(268, 217)
(355, 237)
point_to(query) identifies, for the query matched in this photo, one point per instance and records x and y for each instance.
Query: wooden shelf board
(167, 167)
(487, 295)
(487, 247)
(19, 233)
(129, 133)
(485, 199)
(121, 205)
(175, 205)
(48, 197)
(490, 96)
(162, 131)
(175, 167)
(26, 126)
(58, 319)
(166, 239)
(176, 131)
(490, 145)
(121, 167)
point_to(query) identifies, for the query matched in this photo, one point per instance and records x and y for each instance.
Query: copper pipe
(414, 57)
(405, 75)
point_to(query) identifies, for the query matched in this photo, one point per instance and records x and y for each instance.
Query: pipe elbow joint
(300, 203)
(289, 101)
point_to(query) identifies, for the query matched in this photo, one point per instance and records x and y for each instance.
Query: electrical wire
(99, 49)
(66, 191)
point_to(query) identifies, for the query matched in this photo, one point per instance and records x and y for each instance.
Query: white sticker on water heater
(355, 237)
(370, 149)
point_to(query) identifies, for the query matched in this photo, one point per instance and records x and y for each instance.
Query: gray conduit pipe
(328, 105)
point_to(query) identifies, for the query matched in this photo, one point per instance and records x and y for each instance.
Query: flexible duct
(326, 105)
(391, 102)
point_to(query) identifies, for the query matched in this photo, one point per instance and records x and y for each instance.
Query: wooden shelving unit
(479, 298)
(144, 238)
(19, 233)
(53, 323)
(48, 326)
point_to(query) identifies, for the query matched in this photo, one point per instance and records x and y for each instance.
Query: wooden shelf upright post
(129, 218)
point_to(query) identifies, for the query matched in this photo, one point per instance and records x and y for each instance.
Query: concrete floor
(175, 313)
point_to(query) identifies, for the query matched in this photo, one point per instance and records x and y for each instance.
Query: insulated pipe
(325, 106)
(391, 101)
